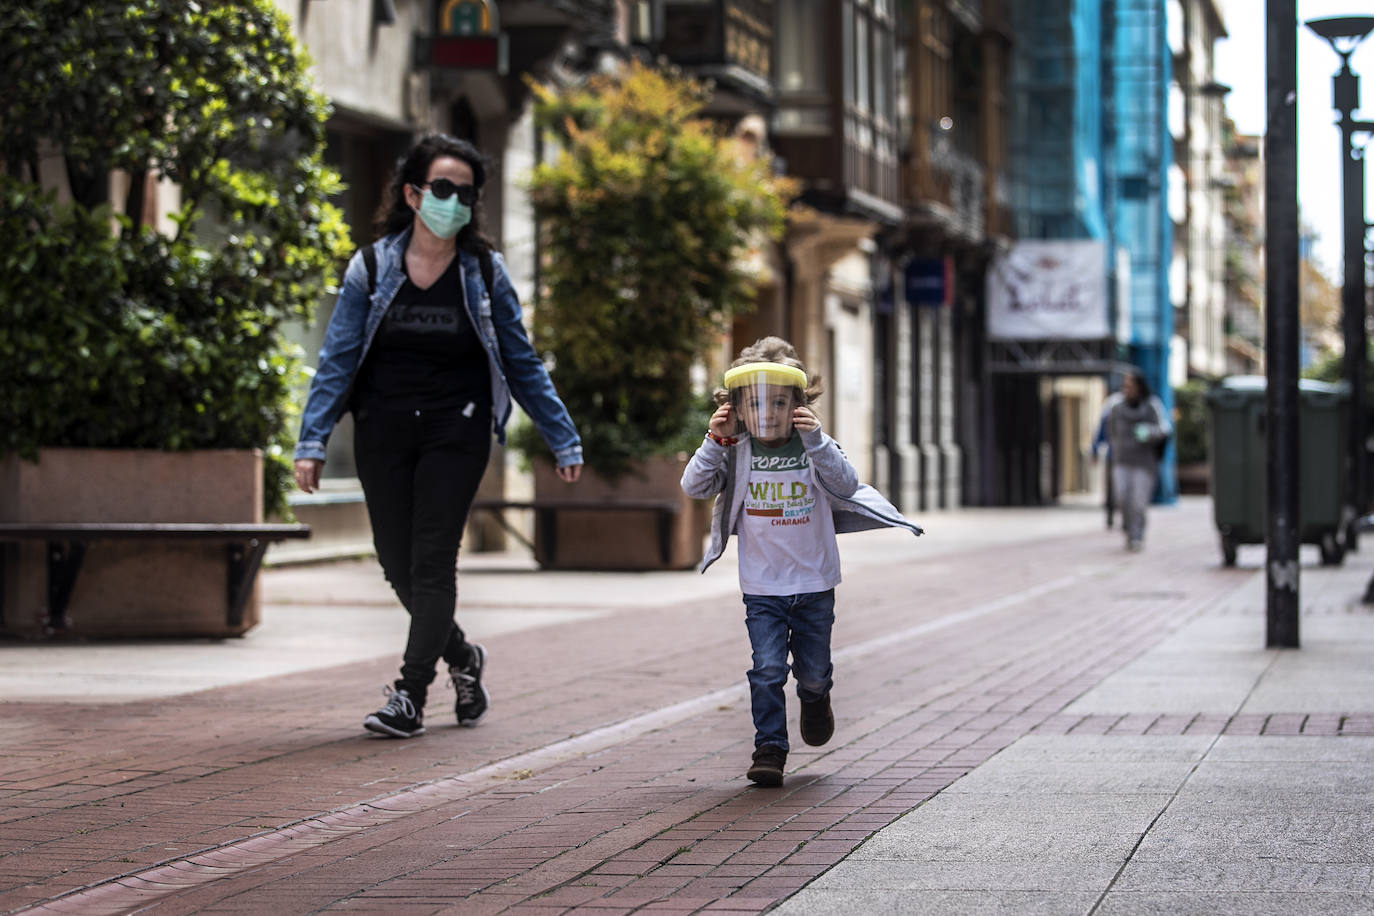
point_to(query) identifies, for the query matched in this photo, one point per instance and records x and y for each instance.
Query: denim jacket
(516, 369)
(715, 471)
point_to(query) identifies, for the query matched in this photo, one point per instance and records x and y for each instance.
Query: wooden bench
(67, 542)
(548, 509)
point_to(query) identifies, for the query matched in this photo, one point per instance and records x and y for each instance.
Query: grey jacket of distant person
(1121, 418)
(714, 471)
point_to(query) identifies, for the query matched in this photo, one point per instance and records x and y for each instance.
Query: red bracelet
(722, 441)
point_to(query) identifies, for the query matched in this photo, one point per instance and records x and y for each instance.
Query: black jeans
(420, 471)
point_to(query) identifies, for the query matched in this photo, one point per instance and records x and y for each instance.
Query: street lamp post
(1344, 34)
(1281, 321)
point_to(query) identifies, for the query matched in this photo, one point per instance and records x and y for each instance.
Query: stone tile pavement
(1206, 776)
(1028, 720)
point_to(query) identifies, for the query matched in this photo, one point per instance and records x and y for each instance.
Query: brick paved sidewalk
(608, 777)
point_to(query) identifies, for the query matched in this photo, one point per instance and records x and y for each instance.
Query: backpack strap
(370, 262)
(488, 272)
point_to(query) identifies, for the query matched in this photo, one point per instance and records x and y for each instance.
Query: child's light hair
(775, 350)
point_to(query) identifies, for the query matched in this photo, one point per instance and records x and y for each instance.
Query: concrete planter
(1195, 478)
(126, 588)
(622, 539)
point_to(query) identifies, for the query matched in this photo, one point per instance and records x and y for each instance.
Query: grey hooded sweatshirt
(1136, 431)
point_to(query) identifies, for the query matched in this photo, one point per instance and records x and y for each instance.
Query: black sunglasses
(443, 189)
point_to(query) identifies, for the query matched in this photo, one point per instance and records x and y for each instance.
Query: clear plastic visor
(762, 401)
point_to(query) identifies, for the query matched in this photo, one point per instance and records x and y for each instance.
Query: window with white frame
(801, 52)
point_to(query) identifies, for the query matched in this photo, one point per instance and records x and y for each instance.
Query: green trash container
(1240, 460)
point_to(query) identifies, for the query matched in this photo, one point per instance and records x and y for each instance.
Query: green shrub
(645, 215)
(1190, 422)
(1331, 368)
(112, 332)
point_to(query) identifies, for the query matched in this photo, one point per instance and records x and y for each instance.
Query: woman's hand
(804, 419)
(308, 473)
(570, 473)
(722, 423)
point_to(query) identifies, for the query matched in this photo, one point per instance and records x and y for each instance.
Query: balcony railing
(729, 40)
(955, 181)
(870, 155)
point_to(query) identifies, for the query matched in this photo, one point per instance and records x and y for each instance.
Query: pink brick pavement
(608, 776)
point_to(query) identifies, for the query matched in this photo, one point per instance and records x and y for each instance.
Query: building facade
(1244, 253)
(927, 137)
(928, 369)
(1197, 192)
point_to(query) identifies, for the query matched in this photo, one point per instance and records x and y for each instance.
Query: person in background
(1136, 428)
(426, 348)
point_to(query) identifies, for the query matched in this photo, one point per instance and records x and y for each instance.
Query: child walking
(785, 488)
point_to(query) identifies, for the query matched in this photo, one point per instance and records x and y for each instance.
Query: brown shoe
(817, 721)
(768, 763)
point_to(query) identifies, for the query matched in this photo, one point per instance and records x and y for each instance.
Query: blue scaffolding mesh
(1056, 137)
(1090, 148)
(1139, 68)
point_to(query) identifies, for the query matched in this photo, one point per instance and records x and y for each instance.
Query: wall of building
(364, 67)
(849, 327)
(1196, 201)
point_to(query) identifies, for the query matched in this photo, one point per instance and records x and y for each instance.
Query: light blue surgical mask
(445, 218)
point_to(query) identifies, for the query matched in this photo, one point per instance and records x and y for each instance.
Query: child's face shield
(762, 398)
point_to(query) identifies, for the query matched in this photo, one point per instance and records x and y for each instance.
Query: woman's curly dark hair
(395, 214)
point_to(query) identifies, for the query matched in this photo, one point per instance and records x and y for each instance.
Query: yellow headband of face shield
(767, 374)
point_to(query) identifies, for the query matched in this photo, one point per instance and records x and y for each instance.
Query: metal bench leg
(64, 563)
(665, 535)
(548, 533)
(510, 529)
(244, 561)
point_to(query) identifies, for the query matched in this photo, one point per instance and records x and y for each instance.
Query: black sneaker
(472, 701)
(768, 763)
(817, 721)
(399, 718)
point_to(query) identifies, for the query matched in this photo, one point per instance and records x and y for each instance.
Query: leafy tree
(120, 329)
(1331, 368)
(1319, 308)
(645, 212)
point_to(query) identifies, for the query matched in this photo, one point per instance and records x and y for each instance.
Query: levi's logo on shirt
(423, 318)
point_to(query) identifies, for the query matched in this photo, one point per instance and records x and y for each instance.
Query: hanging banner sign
(1049, 290)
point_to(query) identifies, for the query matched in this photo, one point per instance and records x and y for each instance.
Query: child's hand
(805, 420)
(722, 424)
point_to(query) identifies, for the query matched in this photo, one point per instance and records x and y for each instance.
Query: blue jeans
(777, 623)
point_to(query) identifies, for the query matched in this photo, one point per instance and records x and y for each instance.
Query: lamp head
(1343, 33)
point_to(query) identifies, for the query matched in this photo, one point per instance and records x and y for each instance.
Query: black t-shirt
(425, 355)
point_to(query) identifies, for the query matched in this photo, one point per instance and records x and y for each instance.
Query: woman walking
(426, 348)
(1136, 427)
